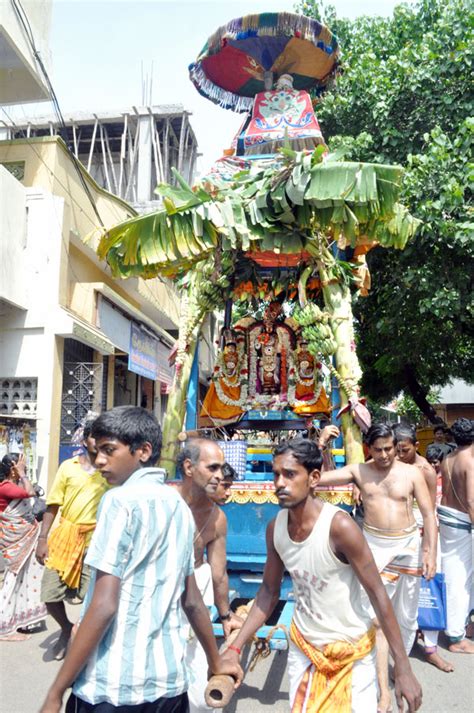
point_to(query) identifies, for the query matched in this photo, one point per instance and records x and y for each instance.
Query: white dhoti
(195, 658)
(364, 679)
(430, 636)
(397, 555)
(456, 541)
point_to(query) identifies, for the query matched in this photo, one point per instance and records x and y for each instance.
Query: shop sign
(142, 355)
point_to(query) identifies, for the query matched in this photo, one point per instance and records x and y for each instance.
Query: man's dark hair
(229, 473)
(379, 430)
(463, 431)
(304, 451)
(131, 425)
(405, 432)
(87, 428)
(433, 453)
(439, 427)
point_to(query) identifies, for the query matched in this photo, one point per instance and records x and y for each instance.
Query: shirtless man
(388, 488)
(456, 515)
(201, 462)
(222, 494)
(407, 452)
(331, 657)
(407, 446)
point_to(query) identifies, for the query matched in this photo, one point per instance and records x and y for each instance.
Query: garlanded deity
(270, 343)
(263, 364)
(228, 390)
(306, 393)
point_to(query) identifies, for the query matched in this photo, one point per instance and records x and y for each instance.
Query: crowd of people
(148, 560)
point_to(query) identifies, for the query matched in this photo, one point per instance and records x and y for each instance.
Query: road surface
(27, 670)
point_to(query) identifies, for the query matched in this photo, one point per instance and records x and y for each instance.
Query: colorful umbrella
(231, 67)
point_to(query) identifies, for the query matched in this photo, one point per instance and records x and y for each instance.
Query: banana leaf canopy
(282, 207)
(298, 206)
(231, 68)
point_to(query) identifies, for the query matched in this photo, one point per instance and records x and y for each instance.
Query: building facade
(72, 338)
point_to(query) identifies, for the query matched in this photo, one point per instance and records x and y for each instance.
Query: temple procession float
(276, 236)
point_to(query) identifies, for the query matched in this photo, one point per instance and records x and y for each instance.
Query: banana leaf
(295, 197)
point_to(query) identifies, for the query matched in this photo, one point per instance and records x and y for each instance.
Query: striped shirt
(144, 536)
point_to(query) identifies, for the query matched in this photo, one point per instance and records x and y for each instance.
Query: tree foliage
(405, 95)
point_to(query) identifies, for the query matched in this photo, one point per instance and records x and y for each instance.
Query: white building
(21, 80)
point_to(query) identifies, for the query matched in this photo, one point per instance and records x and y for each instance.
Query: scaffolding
(126, 152)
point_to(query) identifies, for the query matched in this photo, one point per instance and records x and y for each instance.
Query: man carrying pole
(331, 663)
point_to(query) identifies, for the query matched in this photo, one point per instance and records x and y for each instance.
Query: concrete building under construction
(127, 152)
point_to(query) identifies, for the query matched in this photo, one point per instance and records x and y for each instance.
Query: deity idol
(306, 394)
(270, 343)
(227, 392)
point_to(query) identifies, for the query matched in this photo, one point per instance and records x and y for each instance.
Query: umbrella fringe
(222, 97)
(270, 24)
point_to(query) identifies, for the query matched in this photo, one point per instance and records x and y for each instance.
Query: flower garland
(232, 402)
(238, 379)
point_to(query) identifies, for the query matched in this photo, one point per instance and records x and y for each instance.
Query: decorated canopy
(231, 67)
(281, 208)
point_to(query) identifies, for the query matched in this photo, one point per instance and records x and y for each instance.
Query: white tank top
(328, 604)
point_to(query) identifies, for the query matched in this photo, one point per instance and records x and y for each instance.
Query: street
(27, 670)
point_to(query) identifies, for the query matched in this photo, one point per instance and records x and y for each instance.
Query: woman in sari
(20, 604)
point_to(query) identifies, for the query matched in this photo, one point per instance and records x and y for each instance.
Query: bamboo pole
(156, 135)
(123, 146)
(176, 408)
(74, 138)
(112, 166)
(133, 156)
(166, 150)
(104, 159)
(91, 150)
(182, 141)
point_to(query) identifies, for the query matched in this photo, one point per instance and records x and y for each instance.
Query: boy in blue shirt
(128, 652)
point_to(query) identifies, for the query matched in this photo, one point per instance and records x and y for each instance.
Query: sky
(100, 50)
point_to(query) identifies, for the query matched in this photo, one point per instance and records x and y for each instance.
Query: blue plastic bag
(432, 604)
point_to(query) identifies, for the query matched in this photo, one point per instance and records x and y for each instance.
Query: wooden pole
(220, 688)
(91, 150)
(104, 158)
(166, 150)
(109, 153)
(123, 146)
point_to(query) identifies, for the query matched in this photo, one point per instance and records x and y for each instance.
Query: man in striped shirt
(128, 651)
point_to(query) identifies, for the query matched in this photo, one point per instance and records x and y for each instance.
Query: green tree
(405, 95)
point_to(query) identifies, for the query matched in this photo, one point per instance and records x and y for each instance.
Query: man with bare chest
(388, 488)
(407, 452)
(201, 462)
(456, 515)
